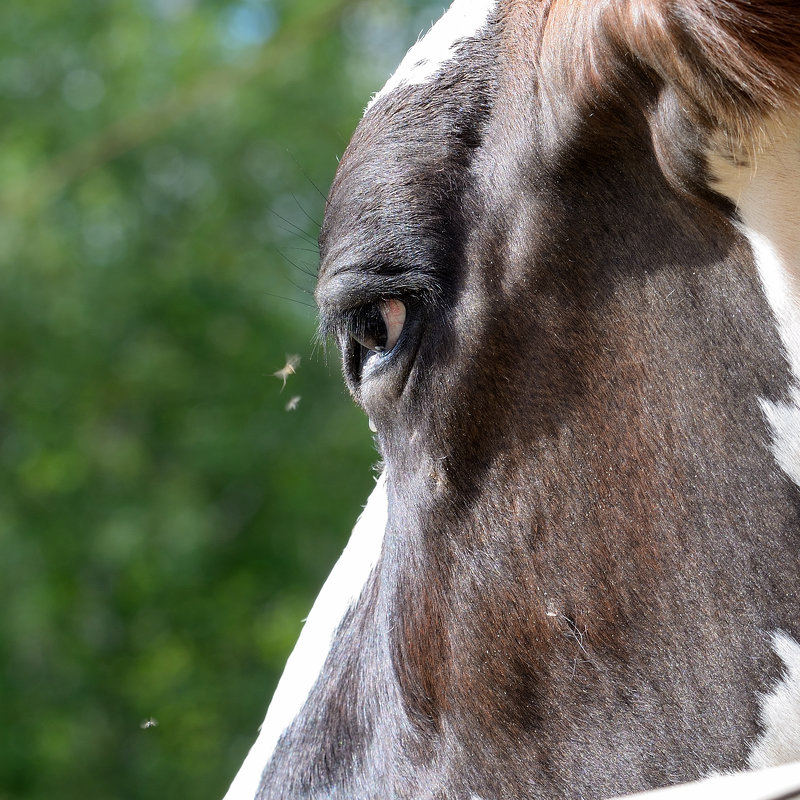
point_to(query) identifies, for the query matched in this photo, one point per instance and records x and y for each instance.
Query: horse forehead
(463, 20)
(410, 145)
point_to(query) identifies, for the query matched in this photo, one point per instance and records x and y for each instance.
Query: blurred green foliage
(165, 522)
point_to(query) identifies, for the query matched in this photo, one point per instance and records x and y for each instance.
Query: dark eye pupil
(369, 329)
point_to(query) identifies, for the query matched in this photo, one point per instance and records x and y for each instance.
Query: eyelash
(367, 328)
(378, 326)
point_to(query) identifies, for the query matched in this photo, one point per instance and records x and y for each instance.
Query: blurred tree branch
(44, 184)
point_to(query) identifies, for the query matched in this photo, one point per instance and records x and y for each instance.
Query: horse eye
(378, 326)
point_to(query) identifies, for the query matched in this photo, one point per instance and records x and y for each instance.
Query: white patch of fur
(779, 742)
(765, 186)
(461, 21)
(340, 591)
(784, 419)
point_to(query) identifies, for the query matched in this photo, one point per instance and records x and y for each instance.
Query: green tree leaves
(165, 522)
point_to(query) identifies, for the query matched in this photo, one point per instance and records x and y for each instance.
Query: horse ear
(732, 62)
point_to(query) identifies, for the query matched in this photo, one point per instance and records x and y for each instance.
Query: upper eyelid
(359, 285)
(340, 304)
(345, 293)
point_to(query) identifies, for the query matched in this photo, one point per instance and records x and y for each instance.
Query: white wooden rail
(776, 783)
